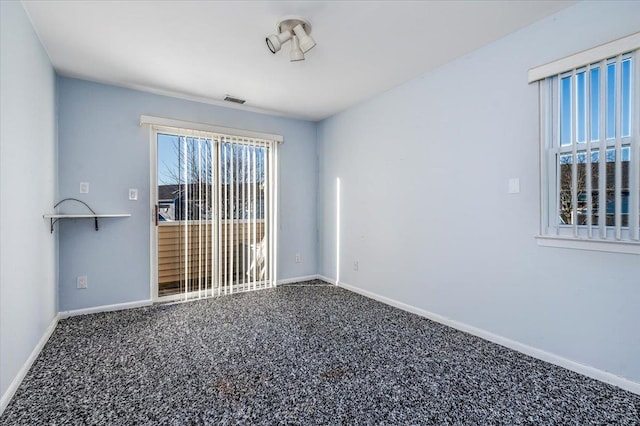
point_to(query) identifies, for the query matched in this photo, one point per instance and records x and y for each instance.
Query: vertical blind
(592, 141)
(590, 150)
(217, 228)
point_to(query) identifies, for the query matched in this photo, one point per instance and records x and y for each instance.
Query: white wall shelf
(55, 217)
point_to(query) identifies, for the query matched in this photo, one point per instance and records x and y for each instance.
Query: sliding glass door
(214, 214)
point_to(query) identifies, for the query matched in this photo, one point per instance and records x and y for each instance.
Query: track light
(296, 53)
(306, 42)
(275, 42)
(301, 41)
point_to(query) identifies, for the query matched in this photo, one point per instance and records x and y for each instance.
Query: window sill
(628, 247)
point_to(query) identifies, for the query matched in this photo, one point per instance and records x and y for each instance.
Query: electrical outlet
(84, 187)
(298, 258)
(82, 281)
(355, 266)
(133, 194)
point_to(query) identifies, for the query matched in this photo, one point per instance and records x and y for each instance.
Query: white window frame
(615, 238)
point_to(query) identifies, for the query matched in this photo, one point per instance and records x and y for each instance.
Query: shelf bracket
(53, 221)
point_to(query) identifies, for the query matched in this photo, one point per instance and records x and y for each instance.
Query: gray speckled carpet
(296, 355)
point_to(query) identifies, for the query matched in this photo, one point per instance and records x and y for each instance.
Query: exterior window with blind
(590, 160)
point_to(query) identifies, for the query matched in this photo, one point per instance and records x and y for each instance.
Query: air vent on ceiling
(234, 100)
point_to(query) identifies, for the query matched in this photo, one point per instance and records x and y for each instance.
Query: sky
(169, 147)
(575, 89)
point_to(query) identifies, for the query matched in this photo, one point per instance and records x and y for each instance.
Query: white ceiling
(203, 50)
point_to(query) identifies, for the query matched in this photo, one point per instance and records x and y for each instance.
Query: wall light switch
(82, 281)
(84, 187)
(133, 194)
(514, 186)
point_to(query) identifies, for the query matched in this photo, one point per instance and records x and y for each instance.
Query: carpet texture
(304, 354)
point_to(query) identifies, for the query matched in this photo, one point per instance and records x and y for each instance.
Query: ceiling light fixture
(295, 29)
(296, 53)
(306, 42)
(275, 42)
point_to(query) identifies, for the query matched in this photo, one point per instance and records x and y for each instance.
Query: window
(590, 164)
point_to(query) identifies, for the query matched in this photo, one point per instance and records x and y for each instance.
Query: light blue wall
(28, 290)
(102, 143)
(426, 213)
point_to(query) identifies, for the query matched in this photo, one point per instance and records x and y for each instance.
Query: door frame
(153, 201)
(159, 125)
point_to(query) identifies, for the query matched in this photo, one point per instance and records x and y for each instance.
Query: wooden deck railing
(175, 242)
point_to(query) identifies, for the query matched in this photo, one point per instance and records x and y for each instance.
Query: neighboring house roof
(167, 192)
(173, 191)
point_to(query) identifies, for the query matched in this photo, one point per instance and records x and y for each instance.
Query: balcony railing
(186, 255)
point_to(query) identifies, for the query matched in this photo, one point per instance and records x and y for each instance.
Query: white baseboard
(327, 279)
(106, 308)
(549, 357)
(13, 386)
(297, 279)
